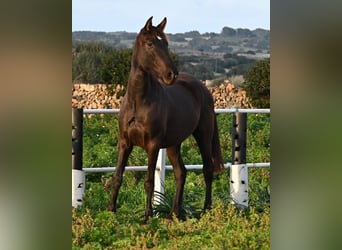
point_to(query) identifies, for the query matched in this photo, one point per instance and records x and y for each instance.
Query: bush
(257, 83)
(97, 62)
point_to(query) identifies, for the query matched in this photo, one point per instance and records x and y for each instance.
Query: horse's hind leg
(179, 171)
(203, 139)
(124, 151)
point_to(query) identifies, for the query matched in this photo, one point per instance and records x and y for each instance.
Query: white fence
(238, 172)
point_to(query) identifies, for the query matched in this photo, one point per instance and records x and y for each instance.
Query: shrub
(257, 83)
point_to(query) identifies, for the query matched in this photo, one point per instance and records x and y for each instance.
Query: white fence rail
(169, 167)
(238, 172)
(217, 111)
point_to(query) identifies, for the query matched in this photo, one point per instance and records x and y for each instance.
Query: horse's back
(188, 81)
(197, 88)
(204, 99)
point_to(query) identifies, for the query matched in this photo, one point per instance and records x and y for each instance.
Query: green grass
(223, 227)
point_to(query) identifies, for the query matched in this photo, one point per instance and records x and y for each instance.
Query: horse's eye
(149, 44)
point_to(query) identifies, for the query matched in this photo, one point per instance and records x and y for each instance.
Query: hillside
(244, 41)
(207, 56)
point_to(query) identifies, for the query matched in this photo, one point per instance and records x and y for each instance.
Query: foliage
(257, 83)
(220, 228)
(100, 57)
(203, 66)
(117, 65)
(201, 71)
(100, 138)
(223, 227)
(240, 39)
(99, 62)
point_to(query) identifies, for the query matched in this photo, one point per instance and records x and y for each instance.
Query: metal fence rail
(217, 111)
(238, 168)
(169, 167)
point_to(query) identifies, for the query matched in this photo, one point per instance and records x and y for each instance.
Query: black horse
(160, 109)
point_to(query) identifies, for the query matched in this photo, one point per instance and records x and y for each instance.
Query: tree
(257, 83)
(227, 31)
(86, 67)
(244, 32)
(116, 67)
(97, 62)
(192, 34)
(88, 61)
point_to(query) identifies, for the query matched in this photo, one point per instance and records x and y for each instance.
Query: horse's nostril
(171, 75)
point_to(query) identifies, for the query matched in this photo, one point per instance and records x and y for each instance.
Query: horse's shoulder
(187, 78)
(190, 82)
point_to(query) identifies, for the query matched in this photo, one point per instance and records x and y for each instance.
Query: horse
(160, 109)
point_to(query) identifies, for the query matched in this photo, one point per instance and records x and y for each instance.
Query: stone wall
(99, 96)
(96, 96)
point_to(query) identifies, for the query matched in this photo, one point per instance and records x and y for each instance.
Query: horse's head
(151, 53)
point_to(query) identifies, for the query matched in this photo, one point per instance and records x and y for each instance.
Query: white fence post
(78, 187)
(239, 184)
(239, 169)
(78, 176)
(159, 174)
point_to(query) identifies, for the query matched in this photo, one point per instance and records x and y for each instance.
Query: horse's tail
(216, 151)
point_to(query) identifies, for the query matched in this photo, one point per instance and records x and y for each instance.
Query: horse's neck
(135, 87)
(138, 85)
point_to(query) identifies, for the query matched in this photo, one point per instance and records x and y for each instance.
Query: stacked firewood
(96, 96)
(227, 96)
(100, 96)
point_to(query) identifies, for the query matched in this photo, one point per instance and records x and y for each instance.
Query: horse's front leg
(124, 152)
(152, 154)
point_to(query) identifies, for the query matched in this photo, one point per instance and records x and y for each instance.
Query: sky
(182, 15)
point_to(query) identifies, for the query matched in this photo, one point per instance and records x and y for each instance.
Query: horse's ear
(162, 25)
(148, 24)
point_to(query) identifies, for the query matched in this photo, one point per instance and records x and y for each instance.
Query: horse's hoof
(144, 222)
(111, 209)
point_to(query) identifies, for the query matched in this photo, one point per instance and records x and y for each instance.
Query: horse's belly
(179, 130)
(173, 140)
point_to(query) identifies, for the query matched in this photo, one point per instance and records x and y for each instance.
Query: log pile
(227, 96)
(96, 96)
(99, 96)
